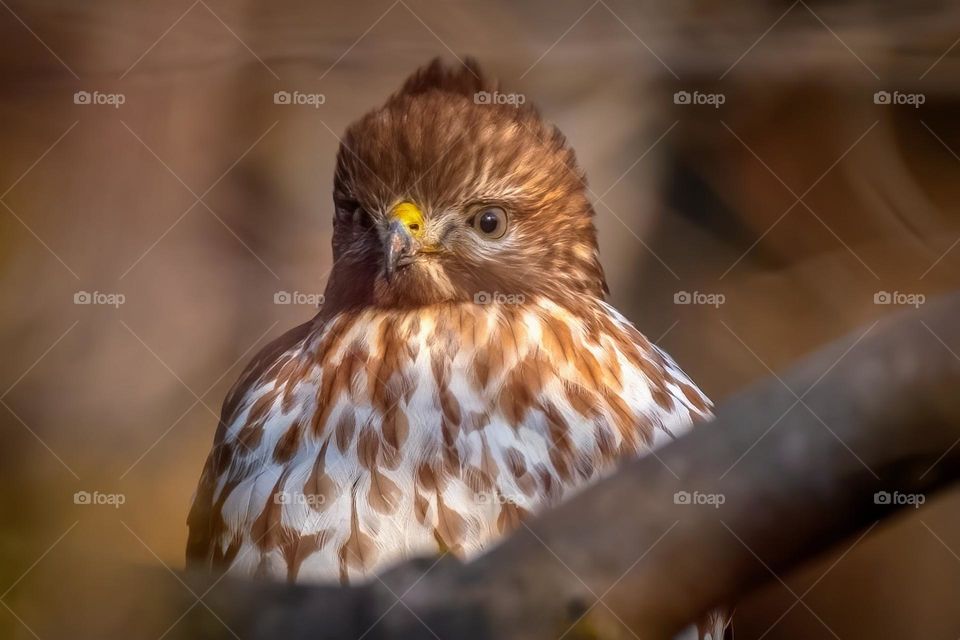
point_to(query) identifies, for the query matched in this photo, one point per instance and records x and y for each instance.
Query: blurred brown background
(798, 199)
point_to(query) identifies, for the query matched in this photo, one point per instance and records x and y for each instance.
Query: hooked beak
(402, 239)
(399, 249)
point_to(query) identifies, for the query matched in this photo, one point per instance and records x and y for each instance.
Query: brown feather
(346, 426)
(358, 551)
(320, 489)
(384, 495)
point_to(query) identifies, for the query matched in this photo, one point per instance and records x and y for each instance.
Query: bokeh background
(797, 203)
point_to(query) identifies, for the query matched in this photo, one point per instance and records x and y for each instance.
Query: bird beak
(402, 239)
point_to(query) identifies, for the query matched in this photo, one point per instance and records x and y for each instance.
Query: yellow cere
(410, 216)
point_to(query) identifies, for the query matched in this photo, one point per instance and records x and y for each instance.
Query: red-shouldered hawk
(464, 371)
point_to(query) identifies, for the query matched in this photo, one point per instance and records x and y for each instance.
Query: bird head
(454, 192)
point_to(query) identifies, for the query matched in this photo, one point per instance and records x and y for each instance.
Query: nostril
(413, 226)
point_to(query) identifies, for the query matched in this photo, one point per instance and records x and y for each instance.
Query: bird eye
(491, 222)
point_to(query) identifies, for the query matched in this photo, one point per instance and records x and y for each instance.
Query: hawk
(464, 371)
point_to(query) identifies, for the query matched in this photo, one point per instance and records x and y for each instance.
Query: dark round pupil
(489, 222)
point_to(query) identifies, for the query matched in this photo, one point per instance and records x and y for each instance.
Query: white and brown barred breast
(380, 434)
